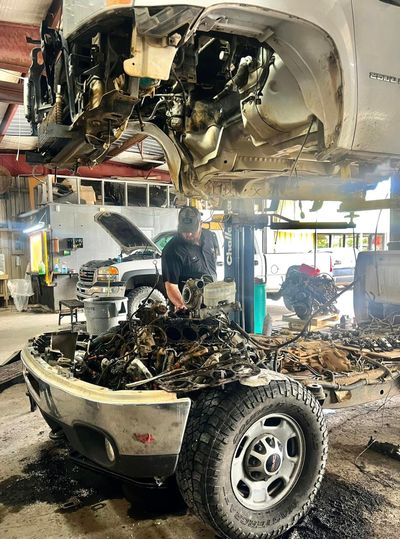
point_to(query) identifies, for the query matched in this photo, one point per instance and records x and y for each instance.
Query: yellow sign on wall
(36, 250)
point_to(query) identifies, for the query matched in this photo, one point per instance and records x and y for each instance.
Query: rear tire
(253, 459)
(136, 296)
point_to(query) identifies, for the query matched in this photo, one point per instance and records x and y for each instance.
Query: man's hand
(175, 296)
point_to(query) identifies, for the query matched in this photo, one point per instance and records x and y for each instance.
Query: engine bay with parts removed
(176, 354)
(182, 353)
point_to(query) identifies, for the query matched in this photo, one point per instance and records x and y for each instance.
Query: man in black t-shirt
(190, 254)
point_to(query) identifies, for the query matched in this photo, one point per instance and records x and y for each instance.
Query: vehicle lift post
(239, 258)
(239, 266)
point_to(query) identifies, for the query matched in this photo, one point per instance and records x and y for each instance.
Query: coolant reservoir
(219, 292)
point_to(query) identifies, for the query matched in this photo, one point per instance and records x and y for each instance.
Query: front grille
(86, 275)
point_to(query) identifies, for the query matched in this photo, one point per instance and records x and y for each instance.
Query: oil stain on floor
(341, 510)
(52, 478)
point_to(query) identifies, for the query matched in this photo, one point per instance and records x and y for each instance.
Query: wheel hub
(264, 458)
(268, 461)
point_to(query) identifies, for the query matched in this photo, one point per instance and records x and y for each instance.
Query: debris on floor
(10, 374)
(385, 448)
(52, 478)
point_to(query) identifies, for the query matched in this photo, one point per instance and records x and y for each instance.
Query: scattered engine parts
(182, 354)
(343, 359)
(200, 347)
(376, 336)
(305, 290)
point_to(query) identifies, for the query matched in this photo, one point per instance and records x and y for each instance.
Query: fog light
(109, 450)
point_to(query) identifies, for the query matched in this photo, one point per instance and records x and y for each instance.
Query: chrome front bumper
(116, 290)
(131, 433)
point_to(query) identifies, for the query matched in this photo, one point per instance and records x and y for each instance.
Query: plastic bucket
(104, 313)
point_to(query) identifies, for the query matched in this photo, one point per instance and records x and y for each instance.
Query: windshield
(162, 239)
(140, 253)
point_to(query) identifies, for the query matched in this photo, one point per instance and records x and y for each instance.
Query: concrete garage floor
(17, 327)
(43, 494)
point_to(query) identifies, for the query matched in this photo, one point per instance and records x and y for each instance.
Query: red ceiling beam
(11, 92)
(15, 52)
(105, 170)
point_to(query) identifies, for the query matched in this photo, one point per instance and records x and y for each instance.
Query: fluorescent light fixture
(34, 228)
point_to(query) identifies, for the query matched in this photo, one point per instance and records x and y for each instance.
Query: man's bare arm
(174, 295)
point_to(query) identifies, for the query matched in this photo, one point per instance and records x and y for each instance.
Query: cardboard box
(87, 193)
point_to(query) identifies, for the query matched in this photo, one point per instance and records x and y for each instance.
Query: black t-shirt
(183, 260)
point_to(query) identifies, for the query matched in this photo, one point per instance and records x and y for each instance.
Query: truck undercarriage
(242, 99)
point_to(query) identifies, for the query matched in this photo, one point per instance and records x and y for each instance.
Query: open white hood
(128, 236)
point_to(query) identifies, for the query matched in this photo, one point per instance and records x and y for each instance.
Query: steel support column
(232, 259)
(239, 266)
(394, 236)
(248, 278)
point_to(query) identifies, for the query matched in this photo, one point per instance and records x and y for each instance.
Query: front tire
(252, 459)
(136, 296)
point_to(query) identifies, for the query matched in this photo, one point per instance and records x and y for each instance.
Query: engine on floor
(304, 290)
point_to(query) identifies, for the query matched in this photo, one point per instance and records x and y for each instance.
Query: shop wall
(13, 244)
(71, 221)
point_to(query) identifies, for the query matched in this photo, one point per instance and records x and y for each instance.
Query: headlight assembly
(109, 274)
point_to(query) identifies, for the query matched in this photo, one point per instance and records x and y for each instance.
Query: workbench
(63, 287)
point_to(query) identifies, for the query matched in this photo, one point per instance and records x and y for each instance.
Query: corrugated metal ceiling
(19, 125)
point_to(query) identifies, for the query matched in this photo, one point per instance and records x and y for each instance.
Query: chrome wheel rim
(267, 461)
